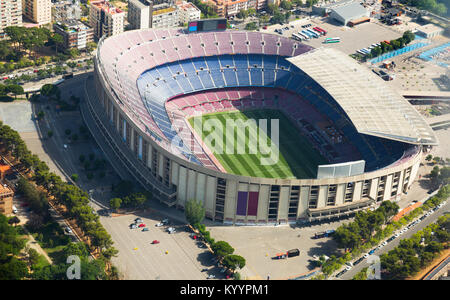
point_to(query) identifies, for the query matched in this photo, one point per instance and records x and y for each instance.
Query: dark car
(341, 273)
(358, 261)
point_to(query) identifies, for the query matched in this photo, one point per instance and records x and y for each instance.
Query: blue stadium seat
(243, 77)
(230, 77)
(256, 77)
(212, 62)
(206, 79)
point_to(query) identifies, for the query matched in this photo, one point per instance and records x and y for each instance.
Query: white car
(366, 255)
(65, 146)
(68, 230)
(348, 268)
(159, 224)
(384, 243)
(397, 234)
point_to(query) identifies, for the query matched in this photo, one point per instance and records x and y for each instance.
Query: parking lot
(352, 39)
(259, 244)
(140, 259)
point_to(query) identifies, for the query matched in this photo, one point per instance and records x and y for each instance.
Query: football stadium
(310, 133)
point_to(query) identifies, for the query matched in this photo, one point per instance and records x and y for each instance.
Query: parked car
(138, 220)
(159, 224)
(67, 229)
(141, 225)
(341, 273)
(145, 229)
(133, 226)
(155, 242)
(358, 261)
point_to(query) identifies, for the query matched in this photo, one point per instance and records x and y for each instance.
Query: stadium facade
(146, 80)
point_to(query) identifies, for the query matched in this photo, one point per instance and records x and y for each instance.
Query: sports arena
(346, 140)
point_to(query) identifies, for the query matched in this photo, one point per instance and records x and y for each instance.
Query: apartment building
(10, 14)
(188, 11)
(227, 8)
(37, 11)
(105, 19)
(75, 34)
(6, 194)
(165, 15)
(66, 11)
(6, 199)
(139, 14)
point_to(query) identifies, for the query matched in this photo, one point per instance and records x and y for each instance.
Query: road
(430, 219)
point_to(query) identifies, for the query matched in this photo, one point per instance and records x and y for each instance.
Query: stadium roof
(373, 107)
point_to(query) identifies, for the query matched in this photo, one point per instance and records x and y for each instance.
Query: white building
(38, 11)
(105, 19)
(165, 16)
(430, 31)
(138, 14)
(188, 12)
(11, 14)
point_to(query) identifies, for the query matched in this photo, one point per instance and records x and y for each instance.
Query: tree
(310, 3)
(49, 90)
(33, 256)
(194, 212)
(242, 14)
(78, 249)
(222, 249)
(429, 157)
(40, 115)
(115, 203)
(234, 262)
(389, 209)
(286, 5)
(251, 26)
(408, 37)
(15, 89)
(14, 221)
(58, 41)
(74, 177)
(271, 8)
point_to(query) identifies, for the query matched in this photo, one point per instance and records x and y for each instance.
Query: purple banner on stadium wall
(241, 208)
(253, 203)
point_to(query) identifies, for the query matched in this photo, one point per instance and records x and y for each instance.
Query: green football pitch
(296, 158)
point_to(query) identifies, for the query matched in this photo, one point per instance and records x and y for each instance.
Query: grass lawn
(297, 158)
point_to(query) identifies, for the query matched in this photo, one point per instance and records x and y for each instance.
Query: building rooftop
(163, 10)
(429, 28)
(4, 189)
(373, 107)
(349, 10)
(107, 7)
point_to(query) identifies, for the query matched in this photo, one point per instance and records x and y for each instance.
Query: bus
(297, 37)
(303, 35)
(332, 40)
(313, 33)
(307, 33)
(319, 30)
(360, 52)
(323, 30)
